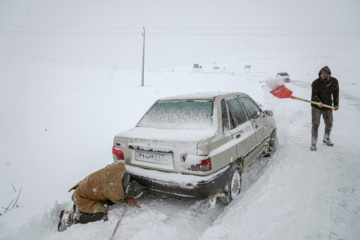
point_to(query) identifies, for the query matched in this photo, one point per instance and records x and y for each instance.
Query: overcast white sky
(108, 32)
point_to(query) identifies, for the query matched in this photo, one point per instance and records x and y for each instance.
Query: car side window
(253, 110)
(236, 111)
(225, 118)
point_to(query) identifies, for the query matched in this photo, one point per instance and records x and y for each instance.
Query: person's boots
(327, 140)
(313, 144)
(66, 220)
(83, 217)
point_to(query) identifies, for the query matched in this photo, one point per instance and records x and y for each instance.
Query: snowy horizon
(110, 34)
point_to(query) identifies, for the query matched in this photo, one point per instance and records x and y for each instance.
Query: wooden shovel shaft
(317, 103)
(118, 223)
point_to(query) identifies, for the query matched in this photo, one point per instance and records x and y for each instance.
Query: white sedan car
(197, 145)
(284, 76)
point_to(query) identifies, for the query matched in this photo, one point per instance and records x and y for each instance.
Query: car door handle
(256, 126)
(238, 136)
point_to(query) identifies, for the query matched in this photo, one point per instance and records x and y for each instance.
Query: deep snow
(58, 121)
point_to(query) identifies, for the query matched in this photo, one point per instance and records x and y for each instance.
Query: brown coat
(99, 187)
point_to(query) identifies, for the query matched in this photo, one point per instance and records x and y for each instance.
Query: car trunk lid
(160, 149)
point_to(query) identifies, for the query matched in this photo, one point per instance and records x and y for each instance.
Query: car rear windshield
(179, 115)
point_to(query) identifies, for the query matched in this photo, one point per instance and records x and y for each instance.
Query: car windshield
(194, 114)
(284, 74)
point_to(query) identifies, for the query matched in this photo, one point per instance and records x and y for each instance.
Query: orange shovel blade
(282, 92)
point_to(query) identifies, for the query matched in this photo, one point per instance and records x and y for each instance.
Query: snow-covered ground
(58, 121)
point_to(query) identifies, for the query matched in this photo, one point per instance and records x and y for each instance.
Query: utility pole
(143, 59)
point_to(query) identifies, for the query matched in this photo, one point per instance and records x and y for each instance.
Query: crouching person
(100, 189)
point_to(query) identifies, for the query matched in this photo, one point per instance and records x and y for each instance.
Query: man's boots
(83, 217)
(66, 220)
(313, 144)
(327, 140)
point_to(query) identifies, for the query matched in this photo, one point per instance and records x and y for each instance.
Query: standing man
(325, 90)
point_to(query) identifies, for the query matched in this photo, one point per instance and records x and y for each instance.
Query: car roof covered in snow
(202, 96)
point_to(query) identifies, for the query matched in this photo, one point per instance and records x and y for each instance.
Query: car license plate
(151, 157)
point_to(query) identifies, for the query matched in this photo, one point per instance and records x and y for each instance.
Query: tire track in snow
(164, 217)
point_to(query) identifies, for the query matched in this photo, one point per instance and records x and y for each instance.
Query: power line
(199, 31)
(49, 33)
(260, 28)
(259, 34)
(66, 27)
(173, 27)
(189, 34)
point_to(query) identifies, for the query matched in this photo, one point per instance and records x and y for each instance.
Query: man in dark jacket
(325, 90)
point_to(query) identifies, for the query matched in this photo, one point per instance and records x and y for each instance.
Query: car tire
(232, 187)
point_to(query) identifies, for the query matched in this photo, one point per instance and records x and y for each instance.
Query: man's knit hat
(326, 71)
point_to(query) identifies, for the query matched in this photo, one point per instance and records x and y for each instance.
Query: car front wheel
(233, 187)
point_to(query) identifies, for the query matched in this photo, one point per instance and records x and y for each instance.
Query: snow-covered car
(197, 145)
(284, 76)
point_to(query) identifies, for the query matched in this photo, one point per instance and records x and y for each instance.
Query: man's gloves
(134, 190)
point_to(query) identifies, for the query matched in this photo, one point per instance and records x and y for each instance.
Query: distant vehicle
(197, 145)
(284, 76)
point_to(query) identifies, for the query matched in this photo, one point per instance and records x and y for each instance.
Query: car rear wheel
(233, 187)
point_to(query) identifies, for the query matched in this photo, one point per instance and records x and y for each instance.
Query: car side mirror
(268, 113)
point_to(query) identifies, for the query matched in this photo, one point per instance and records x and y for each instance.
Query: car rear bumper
(182, 185)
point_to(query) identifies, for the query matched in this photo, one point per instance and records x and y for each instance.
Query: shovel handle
(317, 103)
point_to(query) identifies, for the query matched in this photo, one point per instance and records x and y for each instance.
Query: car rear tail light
(202, 165)
(118, 154)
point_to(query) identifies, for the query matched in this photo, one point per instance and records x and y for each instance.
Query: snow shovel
(283, 92)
